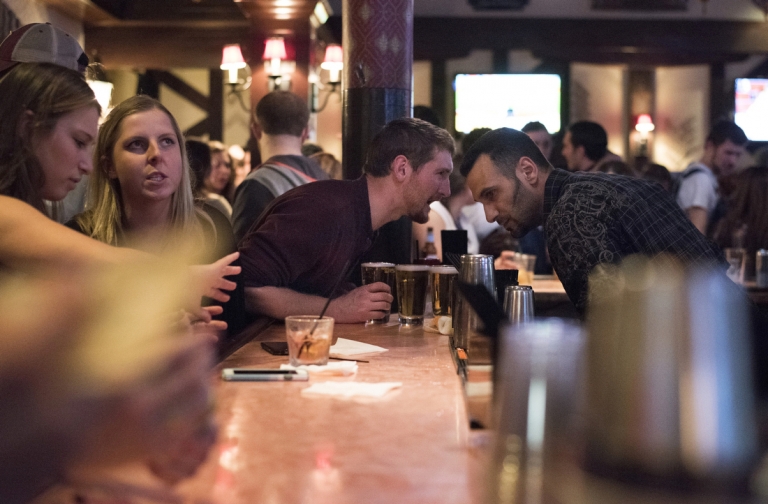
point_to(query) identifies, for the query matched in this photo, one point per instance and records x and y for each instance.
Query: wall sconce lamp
(278, 69)
(334, 63)
(644, 125)
(232, 61)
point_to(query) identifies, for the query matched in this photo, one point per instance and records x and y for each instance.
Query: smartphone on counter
(243, 374)
(275, 347)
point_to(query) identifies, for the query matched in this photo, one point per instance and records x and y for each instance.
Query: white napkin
(349, 390)
(344, 368)
(345, 348)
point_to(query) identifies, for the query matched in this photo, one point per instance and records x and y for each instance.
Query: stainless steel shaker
(476, 269)
(669, 387)
(518, 303)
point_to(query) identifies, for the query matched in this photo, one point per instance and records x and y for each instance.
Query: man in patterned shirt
(589, 219)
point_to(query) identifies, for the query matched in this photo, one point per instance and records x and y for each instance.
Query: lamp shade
(274, 49)
(232, 57)
(644, 124)
(334, 57)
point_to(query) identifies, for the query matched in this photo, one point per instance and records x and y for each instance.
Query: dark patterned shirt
(596, 218)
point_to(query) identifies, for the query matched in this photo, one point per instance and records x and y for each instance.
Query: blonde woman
(140, 192)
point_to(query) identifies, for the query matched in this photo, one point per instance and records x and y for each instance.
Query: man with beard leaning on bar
(296, 251)
(589, 218)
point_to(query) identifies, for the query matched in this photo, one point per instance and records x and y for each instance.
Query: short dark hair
(723, 131)
(505, 147)
(473, 136)
(534, 126)
(282, 113)
(415, 139)
(591, 136)
(427, 114)
(199, 155)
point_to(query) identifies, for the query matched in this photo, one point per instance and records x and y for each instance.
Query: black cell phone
(275, 347)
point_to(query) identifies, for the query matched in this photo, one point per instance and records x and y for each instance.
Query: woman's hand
(212, 279)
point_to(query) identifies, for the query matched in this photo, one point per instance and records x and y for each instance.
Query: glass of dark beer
(379, 272)
(412, 282)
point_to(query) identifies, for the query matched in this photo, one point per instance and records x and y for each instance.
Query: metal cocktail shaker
(476, 269)
(518, 303)
(669, 388)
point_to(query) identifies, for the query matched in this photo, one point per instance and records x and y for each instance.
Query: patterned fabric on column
(379, 44)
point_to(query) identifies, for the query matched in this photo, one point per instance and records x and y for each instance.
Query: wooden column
(378, 66)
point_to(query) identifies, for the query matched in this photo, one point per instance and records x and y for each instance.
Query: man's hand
(364, 303)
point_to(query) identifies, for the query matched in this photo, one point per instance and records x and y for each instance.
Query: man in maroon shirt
(297, 249)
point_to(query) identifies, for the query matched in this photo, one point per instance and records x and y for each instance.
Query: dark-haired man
(585, 147)
(698, 191)
(296, 251)
(280, 128)
(589, 219)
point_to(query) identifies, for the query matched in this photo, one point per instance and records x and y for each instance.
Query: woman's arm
(29, 239)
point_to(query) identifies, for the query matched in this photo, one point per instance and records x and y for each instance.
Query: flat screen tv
(506, 100)
(752, 108)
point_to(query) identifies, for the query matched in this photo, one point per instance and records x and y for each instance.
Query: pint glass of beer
(443, 278)
(379, 272)
(412, 281)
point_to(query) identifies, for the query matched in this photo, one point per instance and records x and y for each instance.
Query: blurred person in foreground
(585, 147)
(332, 223)
(280, 127)
(698, 193)
(518, 187)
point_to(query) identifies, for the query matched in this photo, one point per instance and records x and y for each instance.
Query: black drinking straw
(335, 288)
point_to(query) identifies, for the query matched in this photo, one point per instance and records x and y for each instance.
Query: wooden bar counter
(277, 446)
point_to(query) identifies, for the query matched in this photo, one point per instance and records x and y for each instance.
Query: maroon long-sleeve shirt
(304, 237)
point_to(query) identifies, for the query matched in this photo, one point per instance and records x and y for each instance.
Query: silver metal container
(476, 269)
(761, 269)
(518, 303)
(669, 388)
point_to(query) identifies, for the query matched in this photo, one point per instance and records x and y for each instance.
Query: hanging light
(274, 51)
(232, 61)
(333, 62)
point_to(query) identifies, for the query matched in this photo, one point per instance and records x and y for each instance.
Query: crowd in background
(152, 192)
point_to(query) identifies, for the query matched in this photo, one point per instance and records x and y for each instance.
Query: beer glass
(443, 278)
(412, 280)
(379, 272)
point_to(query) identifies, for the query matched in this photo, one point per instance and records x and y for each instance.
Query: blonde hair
(104, 218)
(49, 92)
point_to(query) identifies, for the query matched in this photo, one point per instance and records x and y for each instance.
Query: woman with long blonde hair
(140, 188)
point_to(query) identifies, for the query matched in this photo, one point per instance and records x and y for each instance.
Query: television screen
(752, 108)
(506, 100)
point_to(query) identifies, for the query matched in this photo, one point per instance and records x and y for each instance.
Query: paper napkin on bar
(345, 348)
(349, 390)
(344, 368)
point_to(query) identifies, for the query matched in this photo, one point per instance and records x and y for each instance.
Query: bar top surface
(277, 446)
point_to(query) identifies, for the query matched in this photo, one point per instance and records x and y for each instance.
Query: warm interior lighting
(103, 92)
(334, 61)
(274, 51)
(321, 13)
(644, 124)
(232, 61)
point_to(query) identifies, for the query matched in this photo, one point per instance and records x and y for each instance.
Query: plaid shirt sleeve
(598, 219)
